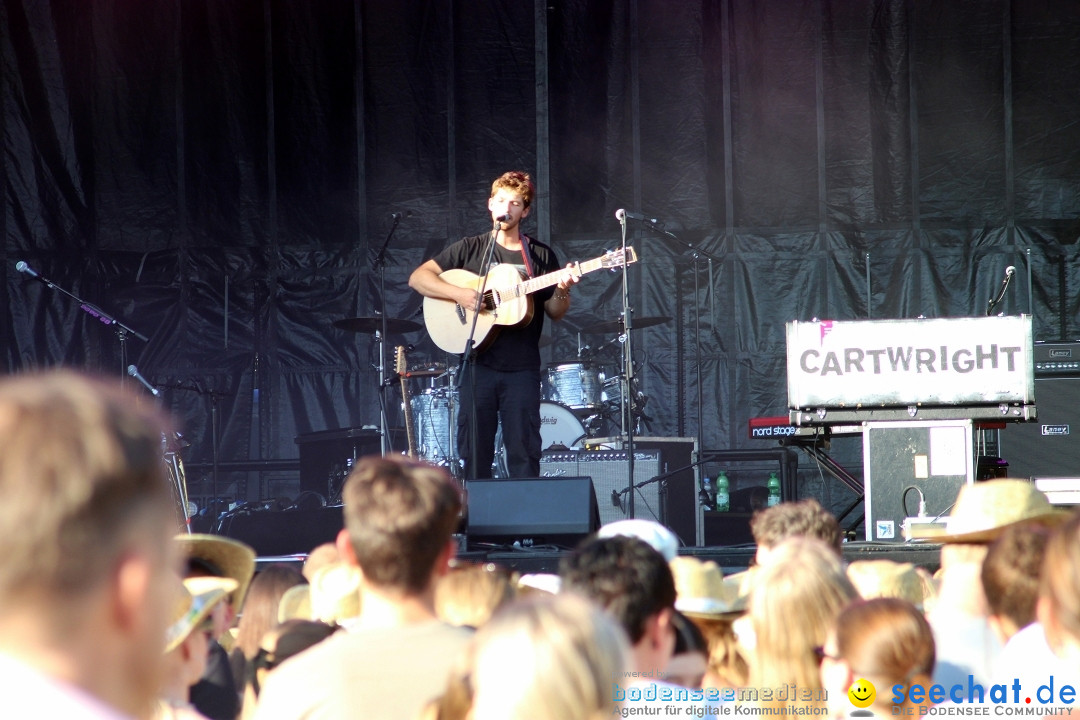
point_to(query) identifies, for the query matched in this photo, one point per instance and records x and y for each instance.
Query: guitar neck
(527, 287)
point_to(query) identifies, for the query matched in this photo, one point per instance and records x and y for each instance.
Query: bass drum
(559, 427)
(434, 424)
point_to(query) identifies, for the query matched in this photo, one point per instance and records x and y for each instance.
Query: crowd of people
(107, 613)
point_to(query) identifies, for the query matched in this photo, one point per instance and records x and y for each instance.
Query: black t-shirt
(514, 348)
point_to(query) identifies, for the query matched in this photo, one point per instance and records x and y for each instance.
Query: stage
(731, 559)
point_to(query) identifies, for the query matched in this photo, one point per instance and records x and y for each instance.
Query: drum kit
(581, 398)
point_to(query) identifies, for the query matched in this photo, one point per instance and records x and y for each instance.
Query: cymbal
(375, 324)
(614, 326)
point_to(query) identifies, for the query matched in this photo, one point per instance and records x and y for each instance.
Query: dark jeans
(513, 398)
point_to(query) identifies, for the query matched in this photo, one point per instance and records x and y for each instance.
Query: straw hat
(197, 598)
(983, 510)
(225, 557)
(295, 604)
(335, 593)
(702, 591)
(885, 578)
(651, 532)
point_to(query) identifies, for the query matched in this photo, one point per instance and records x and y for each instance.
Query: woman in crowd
(793, 603)
(886, 642)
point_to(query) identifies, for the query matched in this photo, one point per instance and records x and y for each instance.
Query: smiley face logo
(861, 693)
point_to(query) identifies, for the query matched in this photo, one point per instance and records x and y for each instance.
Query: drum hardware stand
(468, 357)
(379, 264)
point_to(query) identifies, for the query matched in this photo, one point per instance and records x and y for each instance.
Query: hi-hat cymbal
(375, 324)
(614, 326)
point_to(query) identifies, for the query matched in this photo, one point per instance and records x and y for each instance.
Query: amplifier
(1055, 359)
(609, 470)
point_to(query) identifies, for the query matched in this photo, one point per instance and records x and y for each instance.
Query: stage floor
(731, 559)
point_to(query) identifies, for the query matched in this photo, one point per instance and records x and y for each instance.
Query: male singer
(502, 382)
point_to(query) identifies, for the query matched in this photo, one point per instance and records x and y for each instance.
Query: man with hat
(217, 694)
(86, 519)
(967, 647)
(187, 643)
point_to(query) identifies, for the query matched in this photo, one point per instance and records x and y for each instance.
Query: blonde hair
(727, 666)
(548, 658)
(80, 469)
(887, 640)
(794, 603)
(468, 595)
(1059, 587)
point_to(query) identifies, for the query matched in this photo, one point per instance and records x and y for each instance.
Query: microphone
(401, 215)
(134, 372)
(503, 218)
(623, 215)
(22, 267)
(1009, 272)
(616, 501)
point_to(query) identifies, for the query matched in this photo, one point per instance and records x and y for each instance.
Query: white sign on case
(882, 363)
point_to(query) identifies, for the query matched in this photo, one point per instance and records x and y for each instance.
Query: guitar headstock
(400, 366)
(615, 258)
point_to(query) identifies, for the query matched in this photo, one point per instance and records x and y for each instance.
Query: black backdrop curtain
(220, 175)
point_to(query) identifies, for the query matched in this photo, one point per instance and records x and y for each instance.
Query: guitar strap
(525, 254)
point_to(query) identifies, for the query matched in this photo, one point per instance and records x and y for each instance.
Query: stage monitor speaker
(284, 532)
(1046, 448)
(537, 511)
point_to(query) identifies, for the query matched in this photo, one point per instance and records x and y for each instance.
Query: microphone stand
(468, 356)
(214, 447)
(627, 415)
(380, 336)
(122, 328)
(993, 302)
(171, 445)
(696, 254)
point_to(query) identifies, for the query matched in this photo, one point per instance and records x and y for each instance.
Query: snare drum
(434, 423)
(577, 385)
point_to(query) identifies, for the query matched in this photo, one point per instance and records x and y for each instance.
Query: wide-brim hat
(983, 510)
(335, 593)
(886, 578)
(702, 591)
(224, 557)
(295, 604)
(197, 599)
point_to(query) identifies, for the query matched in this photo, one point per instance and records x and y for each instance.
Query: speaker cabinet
(537, 511)
(1046, 448)
(902, 460)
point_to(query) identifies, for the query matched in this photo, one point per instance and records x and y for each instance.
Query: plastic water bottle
(705, 496)
(723, 499)
(774, 489)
